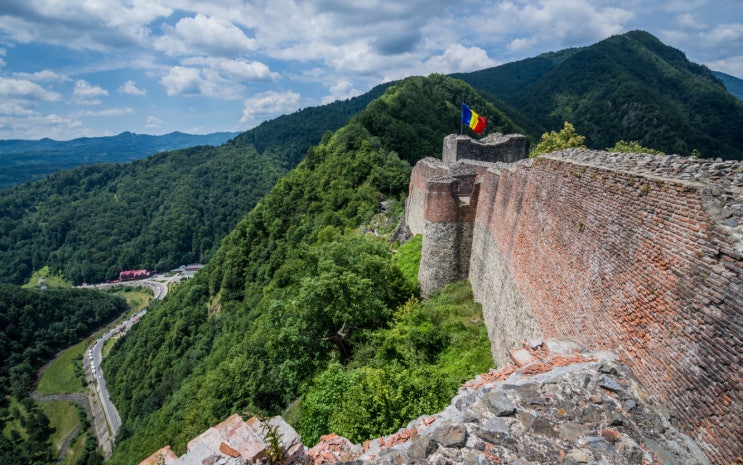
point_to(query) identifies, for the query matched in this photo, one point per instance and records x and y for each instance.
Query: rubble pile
(556, 403)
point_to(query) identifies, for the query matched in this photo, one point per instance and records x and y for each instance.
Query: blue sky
(74, 68)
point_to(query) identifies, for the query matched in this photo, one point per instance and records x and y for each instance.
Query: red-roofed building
(131, 275)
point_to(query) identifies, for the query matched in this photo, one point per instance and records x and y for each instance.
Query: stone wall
(640, 255)
(493, 148)
(450, 206)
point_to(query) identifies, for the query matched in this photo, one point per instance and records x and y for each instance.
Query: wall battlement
(639, 254)
(492, 148)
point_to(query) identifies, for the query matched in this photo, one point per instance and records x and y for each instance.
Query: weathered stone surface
(499, 404)
(562, 415)
(449, 434)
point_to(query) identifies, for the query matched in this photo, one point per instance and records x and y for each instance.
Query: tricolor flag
(473, 120)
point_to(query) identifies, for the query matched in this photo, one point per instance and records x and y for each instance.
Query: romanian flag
(473, 120)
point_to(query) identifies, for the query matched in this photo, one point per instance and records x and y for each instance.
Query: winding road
(97, 403)
(92, 365)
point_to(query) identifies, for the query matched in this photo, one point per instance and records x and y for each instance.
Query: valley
(311, 305)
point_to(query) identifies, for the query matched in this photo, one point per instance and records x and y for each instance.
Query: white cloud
(730, 65)
(34, 125)
(87, 94)
(182, 81)
(130, 88)
(267, 105)
(236, 69)
(553, 24)
(153, 122)
(94, 24)
(25, 90)
(458, 58)
(689, 21)
(43, 76)
(185, 81)
(105, 112)
(341, 90)
(202, 35)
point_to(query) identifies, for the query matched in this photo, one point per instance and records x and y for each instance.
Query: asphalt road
(95, 353)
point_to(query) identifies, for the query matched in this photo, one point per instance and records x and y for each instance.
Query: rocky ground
(557, 404)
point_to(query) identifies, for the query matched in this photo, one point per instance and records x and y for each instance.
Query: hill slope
(294, 288)
(629, 87)
(733, 84)
(26, 160)
(171, 208)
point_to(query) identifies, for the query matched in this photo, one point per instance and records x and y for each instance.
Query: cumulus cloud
(43, 76)
(341, 90)
(153, 122)
(458, 58)
(266, 105)
(202, 35)
(182, 81)
(237, 69)
(566, 22)
(14, 89)
(189, 81)
(87, 94)
(35, 125)
(130, 88)
(94, 24)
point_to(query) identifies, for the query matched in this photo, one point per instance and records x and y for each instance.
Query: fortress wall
(450, 205)
(507, 315)
(423, 171)
(625, 261)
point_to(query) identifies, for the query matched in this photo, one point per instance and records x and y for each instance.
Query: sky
(84, 68)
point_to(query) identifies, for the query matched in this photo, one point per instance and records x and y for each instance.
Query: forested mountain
(171, 208)
(26, 160)
(629, 87)
(733, 84)
(298, 302)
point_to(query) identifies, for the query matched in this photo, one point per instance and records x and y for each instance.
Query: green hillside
(629, 87)
(295, 290)
(172, 208)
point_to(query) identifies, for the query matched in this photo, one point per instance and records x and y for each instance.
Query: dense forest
(626, 87)
(34, 325)
(298, 304)
(170, 209)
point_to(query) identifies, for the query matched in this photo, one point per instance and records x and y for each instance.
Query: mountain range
(26, 160)
(630, 87)
(296, 312)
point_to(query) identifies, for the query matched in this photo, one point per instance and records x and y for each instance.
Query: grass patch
(408, 258)
(75, 451)
(137, 297)
(63, 417)
(60, 377)
(48, 278)
(109, 344)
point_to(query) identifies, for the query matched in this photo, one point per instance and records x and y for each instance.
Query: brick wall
(622, 260)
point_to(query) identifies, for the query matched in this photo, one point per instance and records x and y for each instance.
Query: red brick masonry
(638, 254)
